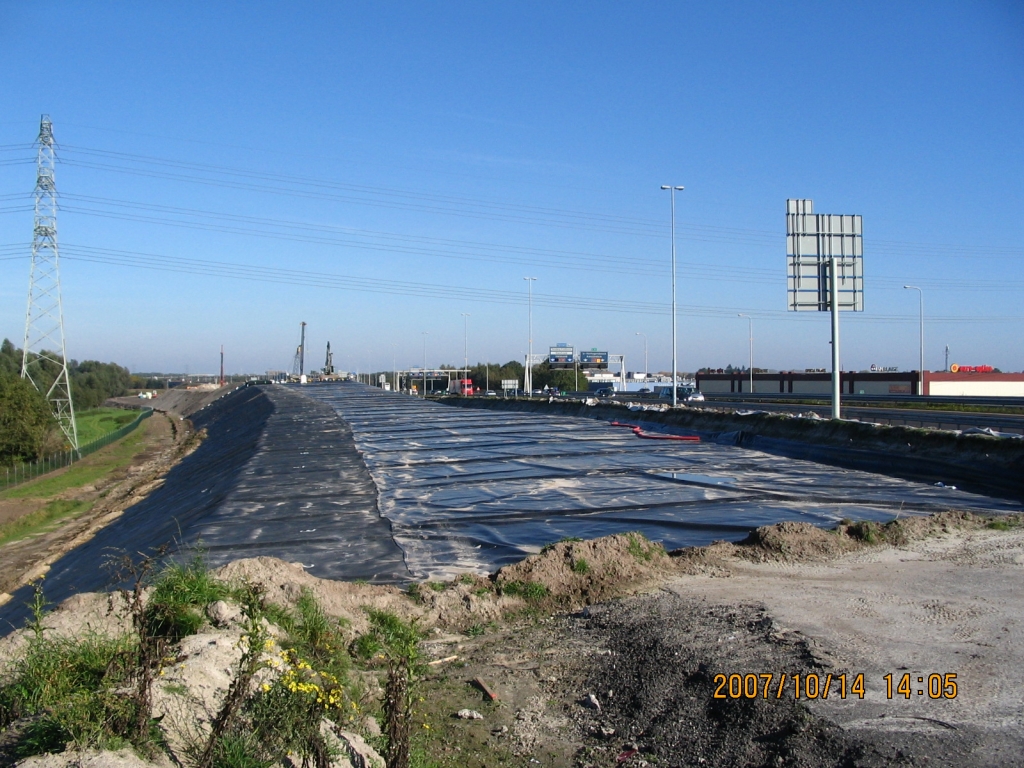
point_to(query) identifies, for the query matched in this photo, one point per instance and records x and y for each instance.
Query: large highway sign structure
(825, 269)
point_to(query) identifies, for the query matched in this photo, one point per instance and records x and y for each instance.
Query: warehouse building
(964, 382)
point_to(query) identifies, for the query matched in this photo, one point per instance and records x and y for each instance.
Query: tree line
(27, 428)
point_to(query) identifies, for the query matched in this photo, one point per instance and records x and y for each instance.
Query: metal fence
(22, 473)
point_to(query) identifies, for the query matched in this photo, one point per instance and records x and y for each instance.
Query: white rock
(223, 614)
(469, 714)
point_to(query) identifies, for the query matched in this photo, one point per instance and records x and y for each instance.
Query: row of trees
(27, 428)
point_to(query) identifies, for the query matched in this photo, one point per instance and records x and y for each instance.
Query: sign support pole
(833, 300)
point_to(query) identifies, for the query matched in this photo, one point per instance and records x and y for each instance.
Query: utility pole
(674, 362)
(44, 317)
(920, 294)
(947, 357)
(528, 376)
(425, 334)
(222, 365)
(465, 320)
(750, 339)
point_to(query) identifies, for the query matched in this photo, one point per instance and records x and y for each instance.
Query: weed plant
(528, 590)
(181, 593)
(70, 691)
(396, 644)
(580, 566)
(641, 548)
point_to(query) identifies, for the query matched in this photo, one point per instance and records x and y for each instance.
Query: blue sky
(425, 157)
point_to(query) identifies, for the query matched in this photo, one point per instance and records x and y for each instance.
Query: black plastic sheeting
(469, 489)
(277, 475)
(358, 483)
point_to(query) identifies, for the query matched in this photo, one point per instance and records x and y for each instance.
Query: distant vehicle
(644, 391)
(682, 393)
(538, 392)
(605, 392)
(460, 387)
(490, 393)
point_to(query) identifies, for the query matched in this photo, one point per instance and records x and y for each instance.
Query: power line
(275, 275)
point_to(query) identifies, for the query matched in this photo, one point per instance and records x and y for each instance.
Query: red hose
(648, 436)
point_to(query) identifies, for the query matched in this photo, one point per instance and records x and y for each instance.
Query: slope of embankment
(978, 463)
(277, 474)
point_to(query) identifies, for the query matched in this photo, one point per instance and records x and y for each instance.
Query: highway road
(861, 409)
(907, 411)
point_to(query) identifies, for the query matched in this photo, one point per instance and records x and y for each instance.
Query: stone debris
(469, 714)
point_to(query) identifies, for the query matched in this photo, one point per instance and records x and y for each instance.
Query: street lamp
(465, 322)
(750, 334)
(920, 293)
(672, 192)
(394, 367)
(425, 334)
(645, 353)
(528, 377)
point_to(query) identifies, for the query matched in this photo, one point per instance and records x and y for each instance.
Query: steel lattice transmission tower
(44, 361)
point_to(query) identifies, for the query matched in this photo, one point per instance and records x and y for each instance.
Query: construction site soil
(618, 666)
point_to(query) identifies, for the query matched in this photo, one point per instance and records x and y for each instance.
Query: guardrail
(23, 472)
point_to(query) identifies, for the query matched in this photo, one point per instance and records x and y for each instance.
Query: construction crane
(298, 365)
(329, 362)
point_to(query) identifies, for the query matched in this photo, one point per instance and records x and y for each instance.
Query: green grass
(528, 590)
(84, 472)
(97, 422)
(1003, 525)
(580, 566)
(69, 688)
(641, 548)
(42, 519)
(179, 598)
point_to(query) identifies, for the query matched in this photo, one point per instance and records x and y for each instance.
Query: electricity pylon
(43, 354)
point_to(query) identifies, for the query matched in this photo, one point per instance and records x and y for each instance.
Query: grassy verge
(97, 422)
(86, 471)
(55, 511)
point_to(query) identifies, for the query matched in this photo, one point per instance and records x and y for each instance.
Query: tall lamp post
(645, 353)
(750, 339)
(920, 294)
(672, 193)
(528, 376)
(465, 323)
(394, 367)
(425, 334)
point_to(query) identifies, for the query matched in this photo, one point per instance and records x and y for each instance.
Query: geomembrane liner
(474, 489)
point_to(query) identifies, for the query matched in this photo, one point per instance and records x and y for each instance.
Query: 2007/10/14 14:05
(816, 686)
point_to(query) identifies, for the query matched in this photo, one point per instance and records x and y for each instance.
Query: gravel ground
(948, 604)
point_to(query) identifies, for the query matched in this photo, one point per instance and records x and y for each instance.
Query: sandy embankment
(656, 630)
